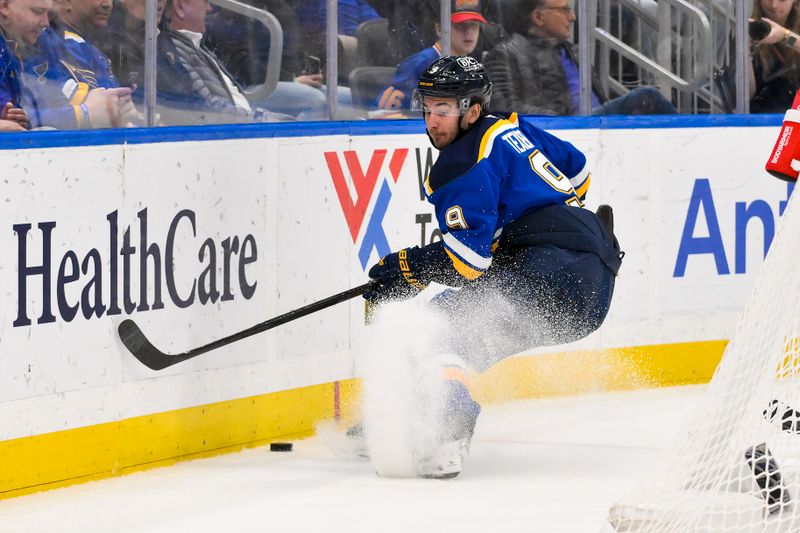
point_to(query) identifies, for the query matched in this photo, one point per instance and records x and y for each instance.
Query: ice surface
(549, 466)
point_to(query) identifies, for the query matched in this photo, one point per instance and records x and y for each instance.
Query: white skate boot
(357, 441)
(444, 459)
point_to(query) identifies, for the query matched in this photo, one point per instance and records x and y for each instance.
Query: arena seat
(367, 82)
(373, 44)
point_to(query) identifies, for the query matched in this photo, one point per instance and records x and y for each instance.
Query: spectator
(55, 90)
(78, 24)
(774, 75)
(123, 40)
(192, 83)
(466, 23)
(413, 26)
(536, 71)
(12, 116)
(241, 44)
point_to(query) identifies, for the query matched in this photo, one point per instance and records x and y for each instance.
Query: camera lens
(759, 29)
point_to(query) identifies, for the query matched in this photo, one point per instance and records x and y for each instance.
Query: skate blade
(441, 476)
(444, 463)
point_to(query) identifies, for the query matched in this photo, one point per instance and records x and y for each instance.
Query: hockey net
(736, 465)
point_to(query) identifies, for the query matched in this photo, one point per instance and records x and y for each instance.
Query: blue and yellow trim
(499, 127)
(466, 261)
(463, 268)
(584, 188)
(72, 36)
(59, 459)
(217, 132)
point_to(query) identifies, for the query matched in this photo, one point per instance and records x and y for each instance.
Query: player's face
(88, 14)
(441, 119)
(25, 20)
(777, 10)
(464, 37)
(555, 19)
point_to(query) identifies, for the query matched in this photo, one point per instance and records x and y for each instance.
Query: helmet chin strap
(430, 138)
(462, 130)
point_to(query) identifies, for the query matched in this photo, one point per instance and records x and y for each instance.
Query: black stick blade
(142, 349)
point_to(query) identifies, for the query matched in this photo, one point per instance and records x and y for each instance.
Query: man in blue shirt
(534, 267)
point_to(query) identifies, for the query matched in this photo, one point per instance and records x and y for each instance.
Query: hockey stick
(150, 356)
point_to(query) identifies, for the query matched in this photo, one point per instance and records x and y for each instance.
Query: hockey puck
(280, 447)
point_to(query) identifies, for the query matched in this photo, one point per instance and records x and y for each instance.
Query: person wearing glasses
(533, 267)
(535, 72)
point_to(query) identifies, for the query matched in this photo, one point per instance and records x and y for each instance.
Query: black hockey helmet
(459, 77)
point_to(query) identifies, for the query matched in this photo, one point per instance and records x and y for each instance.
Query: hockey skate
(444, 458)
(357, 441)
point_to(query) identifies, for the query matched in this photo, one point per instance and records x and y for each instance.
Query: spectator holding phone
(774, 75)
(45, 78)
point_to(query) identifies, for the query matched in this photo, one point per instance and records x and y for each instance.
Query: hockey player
(533, 266)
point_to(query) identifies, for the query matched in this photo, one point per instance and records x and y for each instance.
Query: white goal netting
(736, 466)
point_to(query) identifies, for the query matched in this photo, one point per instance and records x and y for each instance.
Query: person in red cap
(465, 31)
(411, 26)
(465, 10)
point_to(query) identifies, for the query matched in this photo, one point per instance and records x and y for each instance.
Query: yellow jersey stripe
(581, 191)
(78, 115)
(501, 126)
(489, 136)
(72, 36)
(382, 103)
(470, 256)
(463, 268)
(79, 96)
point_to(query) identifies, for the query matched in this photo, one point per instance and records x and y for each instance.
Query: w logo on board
(364, 182)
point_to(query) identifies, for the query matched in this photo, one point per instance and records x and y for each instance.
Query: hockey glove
(393, 278)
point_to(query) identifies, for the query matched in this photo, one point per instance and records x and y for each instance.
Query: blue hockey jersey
(397, 95)
(88, 63)
(54, 82)
(10, 90)
(498, 171)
